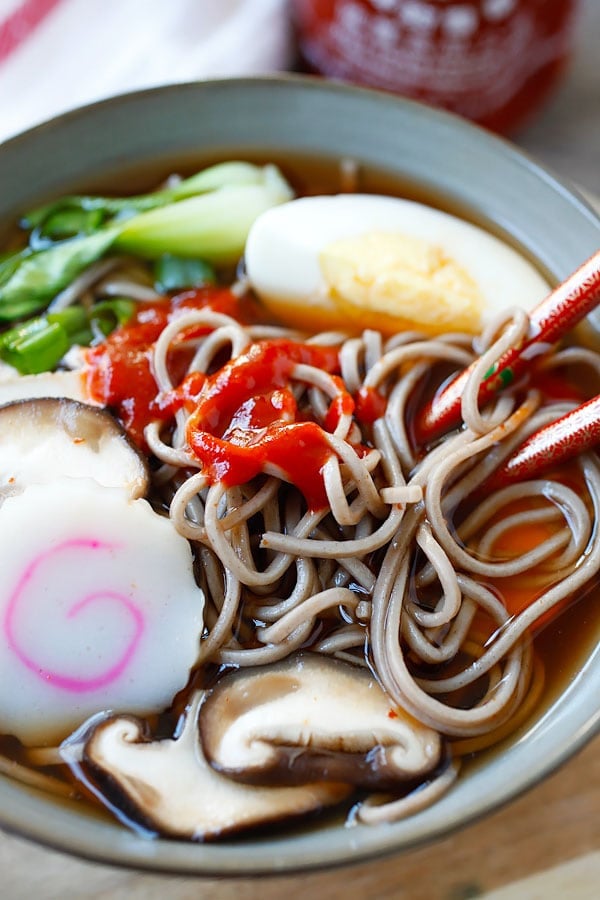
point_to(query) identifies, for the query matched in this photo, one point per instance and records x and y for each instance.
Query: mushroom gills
(169, 787)
(48, 437)
(312, 717)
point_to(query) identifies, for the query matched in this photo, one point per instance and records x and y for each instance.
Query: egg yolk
(392, 281)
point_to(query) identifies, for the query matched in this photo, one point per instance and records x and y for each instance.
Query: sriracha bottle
(493, 61)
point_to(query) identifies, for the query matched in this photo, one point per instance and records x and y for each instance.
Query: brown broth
(565, 643)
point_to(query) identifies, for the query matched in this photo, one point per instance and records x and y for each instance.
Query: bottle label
(470, 57)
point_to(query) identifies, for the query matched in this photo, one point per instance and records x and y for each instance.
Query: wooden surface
(544, 845)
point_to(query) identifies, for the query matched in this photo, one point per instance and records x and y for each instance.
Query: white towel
(58, 54)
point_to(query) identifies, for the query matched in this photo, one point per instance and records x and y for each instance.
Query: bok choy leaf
(51, 218)
(41, 275)
(175, 273)
(211, 226)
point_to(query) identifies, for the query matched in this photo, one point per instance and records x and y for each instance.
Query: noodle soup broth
(319, 455)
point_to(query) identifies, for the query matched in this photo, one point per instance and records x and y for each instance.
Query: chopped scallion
(36, 349)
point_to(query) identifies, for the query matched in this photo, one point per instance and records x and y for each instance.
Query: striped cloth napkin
(58, 54)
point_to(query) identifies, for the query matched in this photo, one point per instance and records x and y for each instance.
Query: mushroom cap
(310, 717)
(169, 787)
(47, 438)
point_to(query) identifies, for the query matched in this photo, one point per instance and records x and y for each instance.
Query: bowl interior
(437, 157)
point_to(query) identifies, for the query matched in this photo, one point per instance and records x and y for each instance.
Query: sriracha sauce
(243, 417)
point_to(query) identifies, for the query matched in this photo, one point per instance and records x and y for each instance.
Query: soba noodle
(357, 569)
(400, 572)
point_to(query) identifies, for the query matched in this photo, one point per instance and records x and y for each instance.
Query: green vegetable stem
(204, 217)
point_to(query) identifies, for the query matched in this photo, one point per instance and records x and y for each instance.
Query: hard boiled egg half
(355, 261)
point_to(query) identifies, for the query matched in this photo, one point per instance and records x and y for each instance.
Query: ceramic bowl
(438, 156)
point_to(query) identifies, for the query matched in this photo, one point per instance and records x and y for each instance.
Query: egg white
(285, 244)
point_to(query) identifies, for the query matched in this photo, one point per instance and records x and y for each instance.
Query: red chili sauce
(119, 370)
(244, 419)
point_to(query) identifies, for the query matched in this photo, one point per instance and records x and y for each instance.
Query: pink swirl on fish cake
(56, 678)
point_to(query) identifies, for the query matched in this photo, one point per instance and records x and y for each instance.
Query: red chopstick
(572, 434)
(561, 310)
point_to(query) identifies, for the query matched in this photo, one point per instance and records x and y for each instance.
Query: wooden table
(545, 844)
